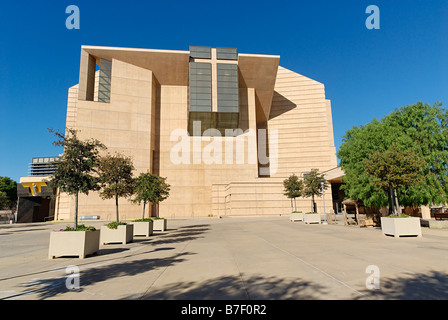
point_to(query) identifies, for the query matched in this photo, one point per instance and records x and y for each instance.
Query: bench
(441, 216)
(89, 218)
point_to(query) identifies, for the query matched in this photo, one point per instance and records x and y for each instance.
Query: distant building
(36, 201)
(43, 166)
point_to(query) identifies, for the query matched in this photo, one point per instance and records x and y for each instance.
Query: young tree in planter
(161, 192)
(394, 169)
(76, 171)
(313, 185)
(150, 188)
(115, 175)
(293, 188)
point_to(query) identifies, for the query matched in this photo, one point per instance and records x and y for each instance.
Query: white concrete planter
(159, 224)
(123, 234)
(296, 216)
(435, 224)
(401, 226)
(311, 218)
(143, 228)
(73, 243)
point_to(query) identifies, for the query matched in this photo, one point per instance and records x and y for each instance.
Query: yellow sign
(35, 187)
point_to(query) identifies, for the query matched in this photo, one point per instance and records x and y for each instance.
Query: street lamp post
(323, 197)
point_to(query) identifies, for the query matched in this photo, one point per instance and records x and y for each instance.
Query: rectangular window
(105, 76)
(200, 87)
(201, 52)
(228, 100)
(226, 54)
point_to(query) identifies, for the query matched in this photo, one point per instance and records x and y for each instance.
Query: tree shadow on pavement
(187, 233)
(411, 286)
(175, 236)
(45, 288)
(235, 288)
(51, 287)
(19, 231)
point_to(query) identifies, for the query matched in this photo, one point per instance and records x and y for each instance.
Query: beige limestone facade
(284, 126)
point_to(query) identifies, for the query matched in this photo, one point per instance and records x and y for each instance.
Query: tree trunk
(116, 207)
(157, 210)
(392, 200)
(144, 205)
(76, 211)
(396, 202)
(314, 207)
(295, 205)
(292, 209)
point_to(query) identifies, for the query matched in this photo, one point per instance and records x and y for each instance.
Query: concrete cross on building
(226, 56)
(213, 88)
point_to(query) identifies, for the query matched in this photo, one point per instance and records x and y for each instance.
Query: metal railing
(49, 218)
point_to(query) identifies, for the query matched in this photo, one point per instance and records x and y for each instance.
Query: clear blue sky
(366, 73)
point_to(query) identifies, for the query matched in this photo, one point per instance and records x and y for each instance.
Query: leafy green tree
(76, 171)
(115, 175)
(313, 181)
(358, 144)
(420, 131)
(4, 201)
(9, 187)
(393, 169)
(150, 188)
(423, 129)
(293, 188)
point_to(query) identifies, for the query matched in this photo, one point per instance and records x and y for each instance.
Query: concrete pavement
(246, 258)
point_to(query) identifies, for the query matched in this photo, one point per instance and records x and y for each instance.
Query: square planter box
(123, 234)
(143, 228)
(296, 216)
(401, 226)
(73, 243)
(311, 218)
(159, 224)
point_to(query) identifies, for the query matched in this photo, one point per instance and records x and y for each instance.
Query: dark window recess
(200, 87)
(199, 122)
(226, 53)
(105, 76)
(228, 100)
(201, 52)
(201, 118)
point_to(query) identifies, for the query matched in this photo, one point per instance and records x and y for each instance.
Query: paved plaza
(264, 258)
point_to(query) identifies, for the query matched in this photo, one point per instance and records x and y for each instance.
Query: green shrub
(400, 216)
(297, 212)
(311, 213)
(142, 220)
(114, 225)
(80, 228)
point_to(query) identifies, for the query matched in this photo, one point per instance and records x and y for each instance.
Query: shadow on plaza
(431, 286)
(411, 286)
(236, 288)
(18, 228)
(52, 287)
(178, 235)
